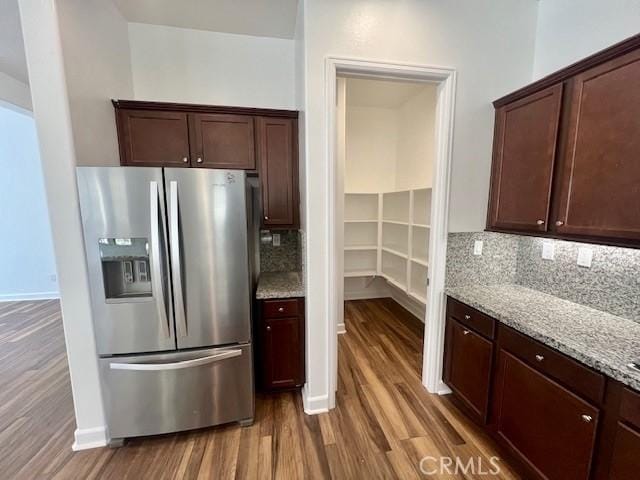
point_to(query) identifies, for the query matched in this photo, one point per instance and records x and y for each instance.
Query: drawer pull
(587, 418)
(268, 329)
(281, 309)
(199, 160)
(539, 222)
(467, 317)
(185, 160)
(465, 332)
(539, 358)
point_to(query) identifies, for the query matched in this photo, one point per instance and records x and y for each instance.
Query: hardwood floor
(383, 425)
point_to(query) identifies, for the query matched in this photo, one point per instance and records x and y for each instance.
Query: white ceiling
(263, 18)
(12, 58)
(364, 92)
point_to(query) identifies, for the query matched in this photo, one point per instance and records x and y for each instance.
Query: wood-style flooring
(383, 425)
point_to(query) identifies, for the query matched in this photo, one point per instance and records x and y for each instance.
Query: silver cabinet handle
(266, 218)
(156, 277)
(185, 159)
(540, 222)
(176, 269)
(268, 329)
(539, 358)
(281, 309)
(587, 418)
(465, 332)
(467, 317)
(199, 160)
(559, 223)
(196, 362)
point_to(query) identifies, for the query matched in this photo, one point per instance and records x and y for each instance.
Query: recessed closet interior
(386, 143)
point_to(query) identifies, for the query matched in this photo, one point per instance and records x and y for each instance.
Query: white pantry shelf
(360, 247)
(360, 273)
(420, 261)
(395, 252)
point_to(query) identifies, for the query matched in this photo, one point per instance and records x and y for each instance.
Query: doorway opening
(390, 129)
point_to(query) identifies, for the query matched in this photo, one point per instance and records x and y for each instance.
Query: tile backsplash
(611, 284)
(284, 258)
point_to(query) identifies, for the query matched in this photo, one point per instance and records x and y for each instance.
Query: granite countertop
(280, 285)
(605, 342)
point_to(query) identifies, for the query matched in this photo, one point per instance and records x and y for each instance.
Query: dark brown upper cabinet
(565, 159)
(524, 154)
(153, 138)
(222, 141)
(278, 156)
(599, 182)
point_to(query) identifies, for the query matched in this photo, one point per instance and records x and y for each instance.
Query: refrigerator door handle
(156, 276)
(195, 362)
(174, 237)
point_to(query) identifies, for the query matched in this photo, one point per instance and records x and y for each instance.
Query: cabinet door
(468, 367)
(278, 172)
(552, 429)
(222, 141)
(523, 158)
(283, 350)
(600, 174)
(625, 463)
(151, 138)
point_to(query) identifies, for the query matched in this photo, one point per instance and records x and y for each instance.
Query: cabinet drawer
(471, 318)
(577, 377)
(281, 308)
(630, 407)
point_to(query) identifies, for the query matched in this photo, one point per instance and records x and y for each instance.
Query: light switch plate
(548, 250)
(585, 256)
(477, 247)
(276, 239)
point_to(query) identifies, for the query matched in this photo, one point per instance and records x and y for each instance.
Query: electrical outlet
(548, 250)
(477, 247)
(276, 239)
(585, 256)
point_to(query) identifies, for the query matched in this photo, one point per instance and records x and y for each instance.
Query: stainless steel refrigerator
(167, 254)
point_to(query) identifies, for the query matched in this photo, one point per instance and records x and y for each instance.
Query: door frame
(445, 78)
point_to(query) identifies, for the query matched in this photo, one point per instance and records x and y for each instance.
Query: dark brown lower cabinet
(280, 344)
(468, 367)
(625, 463)
(555, 417)
(549, 427)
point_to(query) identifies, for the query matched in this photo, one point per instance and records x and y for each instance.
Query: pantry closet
(388, 134)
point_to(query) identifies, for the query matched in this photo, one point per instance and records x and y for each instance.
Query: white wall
(26, 251)
(416, 147)
(371, 148)
(98, 69)
(489, 42)
(75, 124)
(569, 30)
(194, 66)
(14, 91)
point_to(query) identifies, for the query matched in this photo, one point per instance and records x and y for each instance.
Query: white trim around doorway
(445, 78)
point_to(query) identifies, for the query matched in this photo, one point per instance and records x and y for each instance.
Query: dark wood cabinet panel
(468, 366)
(278, 156)
(222, 141)
(625, 462)
(572, 374)
(153, 138)
(523, 161)
(551, 429)
(281, 344)
(599, 183)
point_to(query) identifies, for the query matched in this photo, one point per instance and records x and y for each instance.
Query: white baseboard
(341, 329)
(443, 389)
(415, 307)
(87, 438)
(314, 405)
(364, 295)
(18, 297)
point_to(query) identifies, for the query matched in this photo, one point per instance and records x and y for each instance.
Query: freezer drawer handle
(156, 277)
(196, 362)
(174, 234)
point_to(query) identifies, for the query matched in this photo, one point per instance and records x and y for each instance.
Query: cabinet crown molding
(199, 108)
